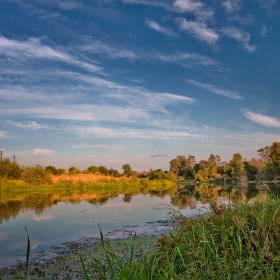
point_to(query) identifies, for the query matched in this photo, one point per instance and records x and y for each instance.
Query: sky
(111, 82)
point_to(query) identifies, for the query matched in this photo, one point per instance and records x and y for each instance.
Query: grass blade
(84, 269)
(27, 252)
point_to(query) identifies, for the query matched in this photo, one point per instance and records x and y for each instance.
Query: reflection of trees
(127, 197)
(11, 203)
(183, 198)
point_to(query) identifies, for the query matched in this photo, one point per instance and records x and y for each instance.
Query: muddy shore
(63, 262)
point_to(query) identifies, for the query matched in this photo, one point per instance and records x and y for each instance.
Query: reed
(231, 242)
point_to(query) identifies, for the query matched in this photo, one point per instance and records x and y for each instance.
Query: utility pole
(14, 158)
(1, 155)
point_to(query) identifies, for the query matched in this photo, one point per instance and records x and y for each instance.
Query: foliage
(36, 175)
(103, 170)
(93, 169)
(251, 171)
(127, 170)
(51, 169)
(10, 170)
(237, 165)
(182, 166)
(239, 242)
(74, 170)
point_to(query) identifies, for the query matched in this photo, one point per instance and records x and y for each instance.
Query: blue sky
(110, 82)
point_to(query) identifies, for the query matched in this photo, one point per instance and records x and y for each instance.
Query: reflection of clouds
(44, 216)
(4, 236)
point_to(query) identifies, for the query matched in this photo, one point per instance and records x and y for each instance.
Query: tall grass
(241, 242)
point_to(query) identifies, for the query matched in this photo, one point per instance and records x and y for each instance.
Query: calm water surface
(53, 218)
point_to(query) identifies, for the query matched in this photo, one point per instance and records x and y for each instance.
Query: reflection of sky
(66, 221)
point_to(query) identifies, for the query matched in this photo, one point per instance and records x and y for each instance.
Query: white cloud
(4, 134)
(240, 36)
(29, 125)
(34, 49)
(189, 60)
(155, 26)
(216, 90)
(187, 5)
(265, 29)
(231, 5)
(112, 52)
(129, 133)
(262, 119)
(43, 153)
(199, 30)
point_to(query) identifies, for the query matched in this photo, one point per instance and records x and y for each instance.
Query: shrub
(36, 175)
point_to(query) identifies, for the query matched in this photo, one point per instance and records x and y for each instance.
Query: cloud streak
(160, 29)
(199, 30)
(34, 49)
(262, 119)
(216, 90)
(239, 36)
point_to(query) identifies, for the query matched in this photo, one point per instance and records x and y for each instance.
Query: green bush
(36, 175)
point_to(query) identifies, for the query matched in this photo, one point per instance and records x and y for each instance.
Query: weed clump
(240, 242)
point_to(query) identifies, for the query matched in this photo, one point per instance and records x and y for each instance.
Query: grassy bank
(230, 243)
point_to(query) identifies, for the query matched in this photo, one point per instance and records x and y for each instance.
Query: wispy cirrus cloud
(27, 125)
(160, 29)
(262, 119)
(265, 29)
(240, 36)
(199, 30)
(187, 5)
(189, 60)
(216, 90)
(98, 47)
(34, 49)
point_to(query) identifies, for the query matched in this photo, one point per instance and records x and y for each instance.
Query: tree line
(265, 168)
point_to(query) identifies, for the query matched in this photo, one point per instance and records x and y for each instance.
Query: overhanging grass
(241, 242)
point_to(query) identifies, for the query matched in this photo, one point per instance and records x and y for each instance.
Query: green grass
(241, 242)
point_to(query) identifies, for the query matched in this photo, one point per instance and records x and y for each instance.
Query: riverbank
(231, 242)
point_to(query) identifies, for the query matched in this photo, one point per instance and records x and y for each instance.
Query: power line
(1, 155)
(14, 158)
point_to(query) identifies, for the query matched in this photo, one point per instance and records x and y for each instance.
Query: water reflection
(182, 196)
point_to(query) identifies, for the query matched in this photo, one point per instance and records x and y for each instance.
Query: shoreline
(63, 262)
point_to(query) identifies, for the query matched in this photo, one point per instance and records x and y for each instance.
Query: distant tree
(275, 152)
(103, 170)
(9, 170)
(237, 165)
(114, 173)
(182, 166)
(36, 175)
(93, 169)
(60, 171)
(127, 170)
(264, 153)
(51, 169)
(251, 171)
(74, 170)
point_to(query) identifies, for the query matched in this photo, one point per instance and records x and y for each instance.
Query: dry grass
(83, 177)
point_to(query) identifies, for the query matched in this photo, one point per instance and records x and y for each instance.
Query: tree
(182, 166)
(251, 171)
(103, 170)
(127, 170)
(264, 153)
(114, 173)
(51, 169)
(93, 169)
(275, 152)
(9, 170)
(36, 175)
(237, 165)
(74, 170)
